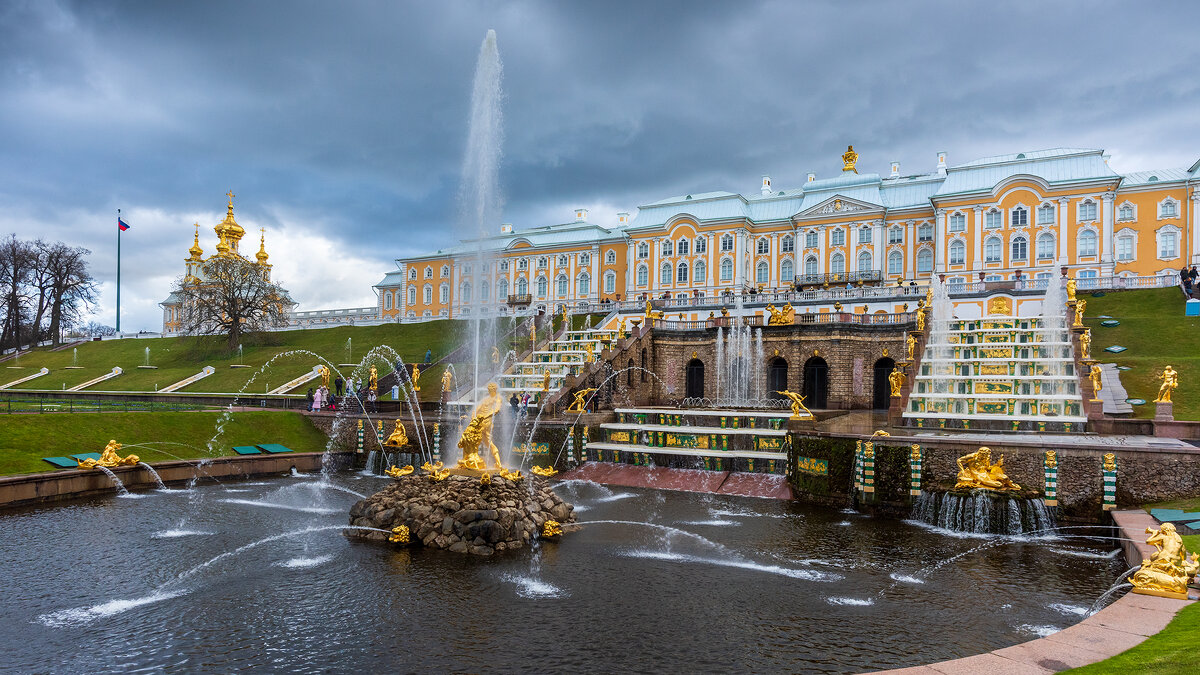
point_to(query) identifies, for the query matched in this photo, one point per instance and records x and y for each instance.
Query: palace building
(1023, 216)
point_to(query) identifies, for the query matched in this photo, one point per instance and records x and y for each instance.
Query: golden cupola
(196, 253)
(261, 256)
(229, 232)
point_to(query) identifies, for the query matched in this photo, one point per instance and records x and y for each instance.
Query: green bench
(246, 450)
(273, 448)
(62, 462)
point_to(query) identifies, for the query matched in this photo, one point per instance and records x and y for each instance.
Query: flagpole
(118, 272)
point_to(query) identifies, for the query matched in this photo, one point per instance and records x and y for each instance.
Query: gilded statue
(1051, 459)
(545, 472)
(1094, 374)
(447, 377)
(1168, 570)
(478, 434)
(416, 379)
(1170, 380)
(398, 439)
(621, 327)
(915, 454)
(532, 332)
(896, 379)
(1079, 307)
(324, 376)
(397, 472)
(564, 314)
(1085, 344)
(920, 319)
(579, 405)
(976, 471)
(1110, 462)
(399, 535)
(109, 458)
(496, 355)
(849, 159)
(911, 343)
(1070, 289)
(784, 316)
(373, 380)
(545, 381)
(797, 403)
(588, 349)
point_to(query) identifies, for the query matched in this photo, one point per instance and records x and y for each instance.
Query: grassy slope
(25, 439)
(1157, 333)
(1173, 650)
(178, 358)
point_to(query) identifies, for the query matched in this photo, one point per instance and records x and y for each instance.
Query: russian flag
(121, 224)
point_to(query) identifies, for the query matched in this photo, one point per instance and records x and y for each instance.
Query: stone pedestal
(1164, 411)
(1094, 408)
(895, 411)
(801, 425)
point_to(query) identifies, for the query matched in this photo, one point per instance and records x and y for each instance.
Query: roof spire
(262, 247)
(195, 250)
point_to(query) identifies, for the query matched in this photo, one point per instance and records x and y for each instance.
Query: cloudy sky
(341, 126)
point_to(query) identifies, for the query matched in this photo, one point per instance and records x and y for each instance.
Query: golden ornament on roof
(849, 159)
(196, 252)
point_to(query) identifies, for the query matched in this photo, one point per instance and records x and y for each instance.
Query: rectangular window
(727, 243)
(787, 246)
(1087, 211)
(896, 235)
(810, 240)
(1046, 215)
(701, 245)
(839, 237)
(993, 220)
(925, 233)
(1125, 248)
(1020, 217)
(958, 223)
(1167, 245)
(864, 235)
(1168, 210)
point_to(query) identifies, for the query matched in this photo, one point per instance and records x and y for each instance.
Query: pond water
(654, 581)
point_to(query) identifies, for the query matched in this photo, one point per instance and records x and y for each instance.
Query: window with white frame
(542, 286)
(522, 265)
(445, 270)
(1168, 244)
(610, 257)
(925, 232)
(864, 235)
(1045, 246)
(993, 219)
(1020, 249)
(958, 252)
(664, 276)
(1045, 214)
(1088, 243)
(763, 246)
(991, 250)
(563, 261)
(643, 275)
(503, 265)
(1125, 212)
(485, 291)
(810, 266)
(896, 235)
(502, 290)
(761, 272)
(412, 274)
(522, 286)
(701, 245)
(810, 239)
(429, 272)
(681, 273)
(387, 300)
(643, 250)
(1087, 210)
(585, 259)
(543, 262)
(668, 247)
(726, 270)
(583, 285)
(837, 264)
(466, 292)
(787, 244)
(562, 284)
(1125, 248)
(786, 274)
(958, 223)
(726, 242)
(993, 277)
(864, 262)
(838, 237)
(412, 295)
(428, 294)
(1019, 216)
(700, 273)
(684, 245)
(610, 282)
(925, 260)
(1043, 275)
(895, 263)
(444, 293)
(1169, 208)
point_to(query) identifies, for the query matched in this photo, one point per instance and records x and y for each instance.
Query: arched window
(837, 264)
(681, 273)
(485, 291)
(925, 260)
(522, 286)
(610, 282)
(700, 273)
(1087, 243)
(643, 275)
(664, 276)
(610, 257)
(1045, 246)
(726, 242)
(584, 285)
(428, 294)
(412, 295)
(387, 300)
(810, 266)
(683, 246)
(643, 250)
(466, 292)
(786, 273)
(502, 290)
(764, 246)
(726, 270)
(895, 263)
(667, 247)
(1019, 217)
(787, 244)
(542, 284)
(761, 271)
(864, 261)
(1020, 249)
(810, 239)
(412, 274)
(429, 272)
(444, 293)
(701, 245)
(958, 252)
(563, 286)
(991, 249)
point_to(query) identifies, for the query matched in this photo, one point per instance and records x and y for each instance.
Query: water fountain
(349, 354)
(74, 360)
(240, 359)
(983, 501)
(146, 361)
(739, 366)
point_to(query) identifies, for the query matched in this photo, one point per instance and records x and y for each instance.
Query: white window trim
(1053, 247)
(1117, 213)
(1079, 236)
(960, 240)
(950, 221)
(1038, 216)
(917, 259)
(732, 269)
(990, 211)
(1164, 202)
(1012, 239)
(1011, 210)
(1000, 241)
(1079, 210)
(1125, 232)
(1168, 229)
(888, 262)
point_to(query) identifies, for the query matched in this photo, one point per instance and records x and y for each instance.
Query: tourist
(524, 405)
(372, 397)
(309, 397)
(428, 355)
(316, 404)
(338, 384)
(515, 403)
(1185, 279)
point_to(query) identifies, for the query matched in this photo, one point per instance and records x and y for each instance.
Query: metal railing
(822, 318)
(11, 406)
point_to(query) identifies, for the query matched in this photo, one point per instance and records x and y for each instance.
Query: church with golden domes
(229, 237)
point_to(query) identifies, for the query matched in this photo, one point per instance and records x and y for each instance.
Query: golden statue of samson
(478, 433)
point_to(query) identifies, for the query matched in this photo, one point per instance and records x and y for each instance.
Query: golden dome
(262, 249)
(228, 228)
(222, 245)
(195, 250)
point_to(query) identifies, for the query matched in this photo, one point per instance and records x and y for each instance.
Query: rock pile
(460, 514)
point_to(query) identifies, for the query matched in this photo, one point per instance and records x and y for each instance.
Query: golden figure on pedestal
(1170, 380)
(416, 379)
(797, 403)
(324, 376)
(911, 343)
(976, 472)
(1070, 289)
(545, 381)
(1168, 570)
(588, 349)
(109, 458)
(373, 379)
(785, 316)
(920, 319)
(496, 355)
(896, 379)
(399, 438)
(478, 434)
(1080, 305)
(579, 405)
(1085, 344)
(1094, 374)
(447, 377)
(621, 327)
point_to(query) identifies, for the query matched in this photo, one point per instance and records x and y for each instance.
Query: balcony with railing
(520, 300)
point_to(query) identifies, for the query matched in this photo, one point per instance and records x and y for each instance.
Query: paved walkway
(1112, 392)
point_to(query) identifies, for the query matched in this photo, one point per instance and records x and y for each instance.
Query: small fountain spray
(74, 359)
(146, 360)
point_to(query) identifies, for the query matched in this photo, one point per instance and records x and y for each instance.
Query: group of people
(321, 398)
(1187, 277)
(520, 404)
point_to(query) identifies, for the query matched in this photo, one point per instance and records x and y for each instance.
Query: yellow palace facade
(1023, 216)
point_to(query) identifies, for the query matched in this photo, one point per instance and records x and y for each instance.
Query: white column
(595, 272)
(879, 245)
(630, 268)
(1106, 239)
(773, 261)
(977, 235)
(1190, 224)
(824, 232)
(939, 243)
(655, 281)
(910, 249)
(1062, 231)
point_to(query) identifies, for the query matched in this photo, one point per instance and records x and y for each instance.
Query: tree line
(45, 290)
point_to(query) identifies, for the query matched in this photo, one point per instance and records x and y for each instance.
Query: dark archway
(777, 377)
(695, 379)
(816, 383)
(882, 388)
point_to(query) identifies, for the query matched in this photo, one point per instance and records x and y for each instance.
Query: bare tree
(17, 263)
(235, 297)
(72, 288)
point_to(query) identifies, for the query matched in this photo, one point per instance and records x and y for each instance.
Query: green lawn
(25, 439)
(179, 358)
(1157, 334)
(1171, 651)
